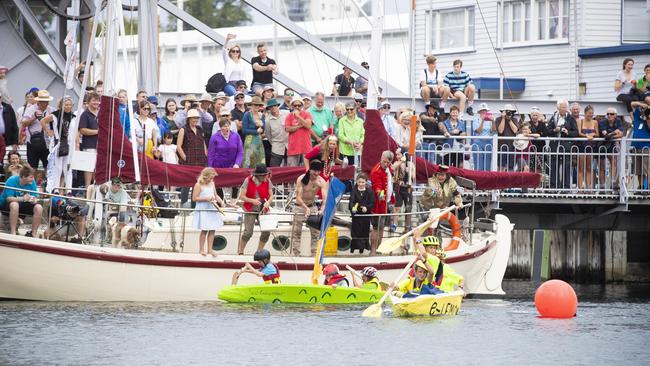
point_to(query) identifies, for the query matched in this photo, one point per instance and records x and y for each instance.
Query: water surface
(612, 327)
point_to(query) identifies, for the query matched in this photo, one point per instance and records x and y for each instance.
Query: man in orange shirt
(380, 178)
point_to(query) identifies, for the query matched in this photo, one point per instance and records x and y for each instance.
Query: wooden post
(615, 255)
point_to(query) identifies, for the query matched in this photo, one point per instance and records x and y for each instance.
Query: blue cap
(33, 89)
(152, 99)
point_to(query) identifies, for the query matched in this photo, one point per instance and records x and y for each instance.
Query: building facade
(562, 48)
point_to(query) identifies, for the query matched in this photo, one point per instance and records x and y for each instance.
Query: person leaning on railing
(563, 127)
(22, 203)
(641, 148)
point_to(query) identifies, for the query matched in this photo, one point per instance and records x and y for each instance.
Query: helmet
(421, 265)
(262, 254)
(369, 272)
(330, 269)
(431, 240)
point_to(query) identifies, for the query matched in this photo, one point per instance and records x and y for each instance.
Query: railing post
(495, 151)
(622, 171)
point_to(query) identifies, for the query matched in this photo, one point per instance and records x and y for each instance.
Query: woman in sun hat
(253, 127)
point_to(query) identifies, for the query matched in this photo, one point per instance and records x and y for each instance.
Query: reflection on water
(612, 327)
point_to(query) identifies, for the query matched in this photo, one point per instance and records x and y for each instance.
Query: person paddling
(333, 277)
(269, 271)
(445, 278)
(369, 278)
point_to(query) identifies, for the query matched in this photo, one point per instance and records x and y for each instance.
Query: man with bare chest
(307, 187)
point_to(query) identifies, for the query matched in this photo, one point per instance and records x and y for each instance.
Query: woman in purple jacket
(225, 150)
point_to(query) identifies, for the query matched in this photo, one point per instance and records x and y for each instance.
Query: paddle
(391, 244)
(375, 310)
(355, 275)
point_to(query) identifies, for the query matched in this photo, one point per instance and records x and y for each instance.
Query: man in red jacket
(380, 178)
(257, 194)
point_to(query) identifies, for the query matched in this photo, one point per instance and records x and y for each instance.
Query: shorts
(256, 86)
(432, 93)
(403, 197)
(24, 208)
(250, 220)
(378, 222)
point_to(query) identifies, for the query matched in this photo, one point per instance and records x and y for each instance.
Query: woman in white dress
(206, 217)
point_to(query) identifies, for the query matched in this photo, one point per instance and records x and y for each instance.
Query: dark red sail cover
(115, 159)
(377, 141)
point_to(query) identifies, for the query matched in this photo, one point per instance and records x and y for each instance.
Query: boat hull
(446, 304)
(298, 294)
(38, 269)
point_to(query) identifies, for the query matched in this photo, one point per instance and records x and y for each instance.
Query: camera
(510, 113)
(196, 104)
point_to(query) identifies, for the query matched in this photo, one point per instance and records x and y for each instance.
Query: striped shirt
(457, 81)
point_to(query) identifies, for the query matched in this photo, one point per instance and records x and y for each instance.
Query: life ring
(455, 230)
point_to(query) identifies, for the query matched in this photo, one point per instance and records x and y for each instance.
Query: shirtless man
(307, 187)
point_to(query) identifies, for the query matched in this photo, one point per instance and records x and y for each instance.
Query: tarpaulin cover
(377, 141)
(115, 158)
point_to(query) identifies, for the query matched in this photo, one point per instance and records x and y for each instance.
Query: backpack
(215, 83)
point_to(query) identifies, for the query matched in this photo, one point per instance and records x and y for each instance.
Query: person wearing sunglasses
(351, 133)
(288, 96)
(235, 68)
(145, 129)
(611, 129)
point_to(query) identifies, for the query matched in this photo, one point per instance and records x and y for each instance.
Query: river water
(612, 327)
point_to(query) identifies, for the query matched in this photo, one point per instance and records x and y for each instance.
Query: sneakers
(470, 111)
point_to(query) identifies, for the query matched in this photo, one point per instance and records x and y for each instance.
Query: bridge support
(615, 255)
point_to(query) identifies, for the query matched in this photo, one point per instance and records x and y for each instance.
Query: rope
(496, 55)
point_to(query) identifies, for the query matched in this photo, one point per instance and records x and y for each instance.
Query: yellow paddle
(392, 244)
(375, 310)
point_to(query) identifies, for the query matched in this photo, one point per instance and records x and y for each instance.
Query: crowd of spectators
(247, 125)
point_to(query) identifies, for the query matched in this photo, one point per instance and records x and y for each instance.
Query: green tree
(214, 13)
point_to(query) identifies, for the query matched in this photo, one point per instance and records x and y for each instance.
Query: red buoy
(556, 299)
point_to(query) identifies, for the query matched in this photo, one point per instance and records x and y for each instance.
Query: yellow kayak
(428, 305)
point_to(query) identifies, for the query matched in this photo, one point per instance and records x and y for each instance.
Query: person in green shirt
(323, 118)
(643, 85)
(351, 133)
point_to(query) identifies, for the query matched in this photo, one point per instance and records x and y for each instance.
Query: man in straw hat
(307, 187)
(257, 194)
(191, 102)
(37, 150)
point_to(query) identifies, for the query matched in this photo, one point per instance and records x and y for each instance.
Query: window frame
(623, 41)
(534, 34)
(469, 30)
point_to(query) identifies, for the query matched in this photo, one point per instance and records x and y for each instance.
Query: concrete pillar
(615, 255)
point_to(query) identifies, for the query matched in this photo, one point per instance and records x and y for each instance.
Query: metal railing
(569, 165)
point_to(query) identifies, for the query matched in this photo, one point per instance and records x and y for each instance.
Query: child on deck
(370, 280)
(362, 200)
(269, 271)
(523, 146)
(167, 152)
(206, 217)
(333, 277)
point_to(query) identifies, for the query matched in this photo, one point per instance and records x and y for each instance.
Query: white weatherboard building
(548, 49)
(562, 48)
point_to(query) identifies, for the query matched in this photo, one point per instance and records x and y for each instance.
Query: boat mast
(375, 53)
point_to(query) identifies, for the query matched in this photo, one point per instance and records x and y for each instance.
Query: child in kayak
(333, 277)
(370, 280)
(269, 272)
(419, 283)
(444, 276)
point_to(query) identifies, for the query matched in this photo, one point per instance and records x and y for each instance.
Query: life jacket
(373, 284)
(409, 285)
(261, 192)
(274, 278)
(336, 279)
(450, 278)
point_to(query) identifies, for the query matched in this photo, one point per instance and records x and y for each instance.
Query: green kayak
(298, 294)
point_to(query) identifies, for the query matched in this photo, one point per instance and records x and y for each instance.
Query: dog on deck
(123, 235)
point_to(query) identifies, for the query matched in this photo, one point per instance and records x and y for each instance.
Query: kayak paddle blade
(390, 245)
(373, 311)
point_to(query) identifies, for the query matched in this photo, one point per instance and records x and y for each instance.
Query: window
(516, 21)
(452, 29)
(532, 21)
(636, 17)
